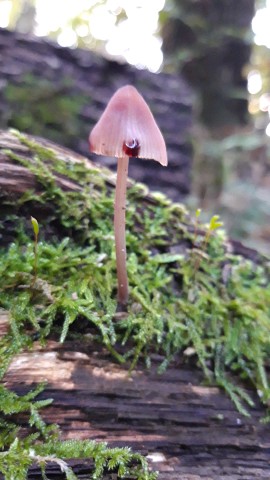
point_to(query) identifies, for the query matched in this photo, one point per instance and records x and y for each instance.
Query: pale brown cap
(128, 128)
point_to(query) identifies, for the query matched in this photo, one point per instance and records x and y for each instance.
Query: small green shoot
(197, 215)
(36, 232)
(213, 225)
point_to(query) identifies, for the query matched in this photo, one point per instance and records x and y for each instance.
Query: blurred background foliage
(222, 50)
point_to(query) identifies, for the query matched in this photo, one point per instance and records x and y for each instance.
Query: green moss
(50, 110)
(184, 291)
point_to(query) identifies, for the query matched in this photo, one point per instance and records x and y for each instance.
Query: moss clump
(186, 292)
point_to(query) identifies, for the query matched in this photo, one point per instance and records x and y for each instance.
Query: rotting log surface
(195, 429)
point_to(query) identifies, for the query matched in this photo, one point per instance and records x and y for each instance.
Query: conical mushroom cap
(128, 128)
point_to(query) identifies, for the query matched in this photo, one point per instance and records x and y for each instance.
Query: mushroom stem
(120, 229)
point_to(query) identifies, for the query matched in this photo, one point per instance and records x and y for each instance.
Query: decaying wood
(188, 430)
(16, 179)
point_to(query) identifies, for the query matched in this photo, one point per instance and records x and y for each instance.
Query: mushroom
(126, 129)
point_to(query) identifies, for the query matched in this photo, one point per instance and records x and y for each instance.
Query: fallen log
(188, 430)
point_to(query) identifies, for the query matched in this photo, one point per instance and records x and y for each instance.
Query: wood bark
(189, 431)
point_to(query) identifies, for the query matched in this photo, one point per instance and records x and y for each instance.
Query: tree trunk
(208, 42)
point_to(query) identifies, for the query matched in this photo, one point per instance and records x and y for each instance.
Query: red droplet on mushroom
(131, 148)
(128, 119)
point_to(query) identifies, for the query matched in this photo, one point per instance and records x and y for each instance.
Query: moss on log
(152, 378)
